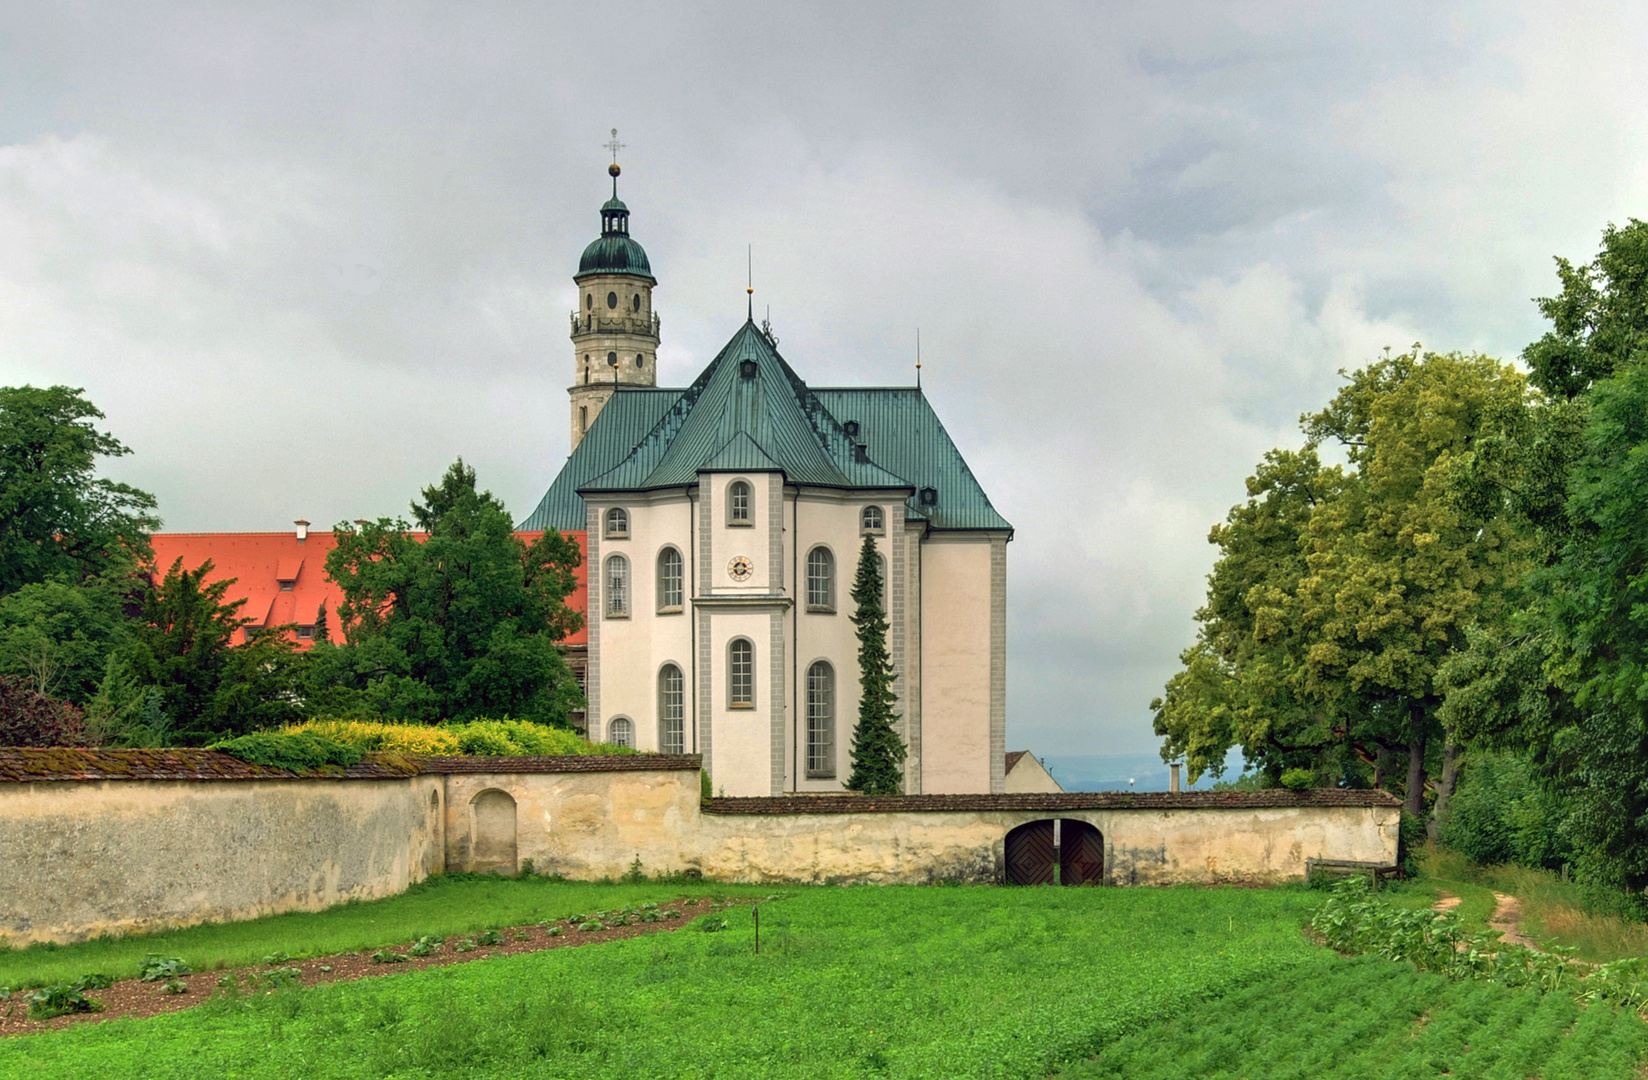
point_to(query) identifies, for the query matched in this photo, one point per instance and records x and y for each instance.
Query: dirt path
(130, 997)
(1507, 919)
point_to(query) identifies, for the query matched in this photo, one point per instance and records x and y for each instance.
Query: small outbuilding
(1026, 774)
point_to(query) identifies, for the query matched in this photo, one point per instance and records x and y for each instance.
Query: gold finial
(613, 170)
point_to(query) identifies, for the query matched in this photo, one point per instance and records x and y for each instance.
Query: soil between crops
(133, 998)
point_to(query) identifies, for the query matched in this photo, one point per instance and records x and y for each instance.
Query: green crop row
(446, 905)
(1369, 1017)
(897, 982)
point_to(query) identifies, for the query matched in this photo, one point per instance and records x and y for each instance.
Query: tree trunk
(1444, 788)
(1382, 763)
(1415, 803)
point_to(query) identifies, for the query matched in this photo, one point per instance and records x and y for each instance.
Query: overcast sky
(304, 255)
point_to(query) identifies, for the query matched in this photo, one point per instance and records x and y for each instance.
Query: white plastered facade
(748, 583)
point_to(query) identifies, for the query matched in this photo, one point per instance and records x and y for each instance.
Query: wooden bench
(1346, 867)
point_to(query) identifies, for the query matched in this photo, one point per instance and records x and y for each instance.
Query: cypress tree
(878, 752)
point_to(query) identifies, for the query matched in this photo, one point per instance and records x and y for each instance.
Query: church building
(723, 524)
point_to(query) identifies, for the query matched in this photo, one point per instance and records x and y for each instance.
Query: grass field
(1552, 909)
(444, 906)
(850, 982)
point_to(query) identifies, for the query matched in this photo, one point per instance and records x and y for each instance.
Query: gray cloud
(305, 256)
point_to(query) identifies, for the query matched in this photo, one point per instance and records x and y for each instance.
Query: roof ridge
(793, 430)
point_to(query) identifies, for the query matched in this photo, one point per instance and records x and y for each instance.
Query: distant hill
(1111, 772)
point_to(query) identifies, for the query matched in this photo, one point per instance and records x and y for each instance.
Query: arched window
(617, 523)
(820, 721)
(636, 302)
(672, 711)
(617, 587)
(669, 580)
(739, 498)
(620, 732)
(589, 301)
(820, 580)
(640, 361)
(612, 300)
(872, 520)
(583, 418)
(741, 674)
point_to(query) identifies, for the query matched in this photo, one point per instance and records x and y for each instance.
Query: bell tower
(614, 330)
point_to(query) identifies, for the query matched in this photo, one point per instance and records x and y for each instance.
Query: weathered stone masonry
(129, 841)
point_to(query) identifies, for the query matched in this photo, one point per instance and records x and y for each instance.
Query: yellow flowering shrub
(493, 738)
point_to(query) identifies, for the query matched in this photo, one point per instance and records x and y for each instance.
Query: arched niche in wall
(494, 850)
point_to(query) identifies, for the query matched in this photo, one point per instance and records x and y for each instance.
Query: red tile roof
(1051, 802)
(261, 562)
(1013, 758)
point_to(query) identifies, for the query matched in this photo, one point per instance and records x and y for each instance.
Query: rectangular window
(672, 711)
(741, 675)
(738, 503)
(618, 587)
(820, 580)
(820, 722)
(669, 580)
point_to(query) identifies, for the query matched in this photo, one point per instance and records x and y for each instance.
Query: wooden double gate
(1061, 851)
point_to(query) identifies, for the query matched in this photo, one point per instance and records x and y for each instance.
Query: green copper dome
(614, 252)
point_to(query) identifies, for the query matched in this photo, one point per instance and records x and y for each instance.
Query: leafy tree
(57, 519)
(1554, 676)
(1589, 616)
(208, 686)
(59, 636)
(464, 623)
(1598, 320)
(878, 752)
(1338, 592)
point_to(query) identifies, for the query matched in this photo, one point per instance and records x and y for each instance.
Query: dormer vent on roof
(748, 368)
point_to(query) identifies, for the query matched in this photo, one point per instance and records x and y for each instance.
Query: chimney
(303, 529)
(1173, 777)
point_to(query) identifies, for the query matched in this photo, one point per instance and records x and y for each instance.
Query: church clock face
(740, 568)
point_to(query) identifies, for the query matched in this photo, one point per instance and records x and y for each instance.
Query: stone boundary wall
(98, 842)
(82, 858)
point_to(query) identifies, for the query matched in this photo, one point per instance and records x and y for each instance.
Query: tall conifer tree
(878, 752)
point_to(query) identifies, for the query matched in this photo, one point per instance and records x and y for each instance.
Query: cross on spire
(614, 145)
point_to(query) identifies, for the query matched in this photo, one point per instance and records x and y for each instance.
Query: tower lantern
(615, 329)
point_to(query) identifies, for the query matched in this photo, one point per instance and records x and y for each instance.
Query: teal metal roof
(615, 254)
(771, 408)
(901, 431)
(621, 423)
(770, 420)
